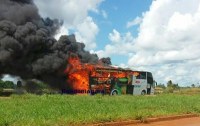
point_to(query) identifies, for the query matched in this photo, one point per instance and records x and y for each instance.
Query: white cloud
(168, 41)
(62, 31)
(104, 14)
(86, 32)
(122, 65)
(135, 21)
(120, 44)
(74, 13)
(115, 36)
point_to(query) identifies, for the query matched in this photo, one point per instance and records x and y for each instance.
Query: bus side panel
(139, 86)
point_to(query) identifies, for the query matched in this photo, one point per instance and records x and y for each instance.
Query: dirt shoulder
(192, 121)
(177, 120)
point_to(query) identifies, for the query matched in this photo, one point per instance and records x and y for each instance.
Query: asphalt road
(193, 121)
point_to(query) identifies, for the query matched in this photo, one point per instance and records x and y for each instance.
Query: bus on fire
(120, 81)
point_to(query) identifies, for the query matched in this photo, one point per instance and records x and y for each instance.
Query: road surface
(193, 121)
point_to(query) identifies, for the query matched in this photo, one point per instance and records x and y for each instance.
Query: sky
(160, 36)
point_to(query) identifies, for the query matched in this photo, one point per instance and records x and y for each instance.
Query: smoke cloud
(28, 48)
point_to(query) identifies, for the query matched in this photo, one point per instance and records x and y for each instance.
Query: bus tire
(114, 92)
(143, 92)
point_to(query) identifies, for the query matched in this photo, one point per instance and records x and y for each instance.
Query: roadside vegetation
(31, 86)
(33, 110)
(170, 87)
(6, 88)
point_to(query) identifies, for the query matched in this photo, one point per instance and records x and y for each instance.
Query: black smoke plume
(105, 61)
(28, 48)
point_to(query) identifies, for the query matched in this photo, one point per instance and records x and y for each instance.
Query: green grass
(81, 109)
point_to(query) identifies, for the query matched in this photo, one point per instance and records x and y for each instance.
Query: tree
(171, 87)
(169, 83)
(6, 84)
(1, 85)
(9, 84)
(193, 85)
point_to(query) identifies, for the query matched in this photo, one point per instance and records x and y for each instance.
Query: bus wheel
(114, 92)
(143, 92)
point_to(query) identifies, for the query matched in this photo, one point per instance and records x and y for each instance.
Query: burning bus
(97, 78)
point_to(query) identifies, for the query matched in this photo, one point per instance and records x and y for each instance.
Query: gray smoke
(28, 48)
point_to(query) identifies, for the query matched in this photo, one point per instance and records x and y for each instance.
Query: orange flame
(78, 76)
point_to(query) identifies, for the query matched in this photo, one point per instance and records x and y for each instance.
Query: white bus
(141, 83)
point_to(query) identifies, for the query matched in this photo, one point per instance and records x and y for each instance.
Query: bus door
(150, 83)
(130, 86)
(140, 83)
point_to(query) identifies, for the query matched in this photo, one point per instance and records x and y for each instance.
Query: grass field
(76, 110)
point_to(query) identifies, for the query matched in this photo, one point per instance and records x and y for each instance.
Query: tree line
(7, 84)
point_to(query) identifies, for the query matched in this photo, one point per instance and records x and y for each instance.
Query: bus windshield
(141, 75)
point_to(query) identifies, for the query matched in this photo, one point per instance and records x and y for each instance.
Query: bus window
(149, 78)
(142, 75)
